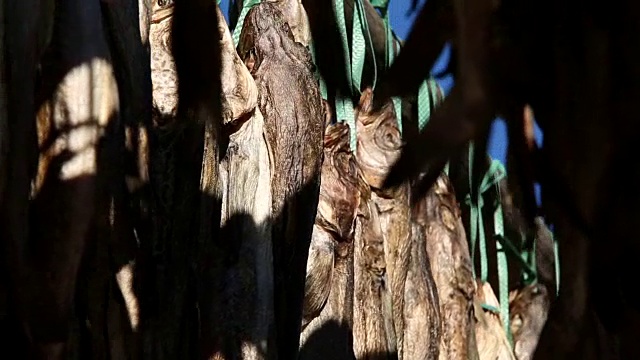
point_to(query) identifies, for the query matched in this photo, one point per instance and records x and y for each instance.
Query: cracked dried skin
(448, 253)
(335, 219)
(379, 140)
(373, 331)
(339, 187)
(296, 16)
(329, 282)
(239, 91)
(421, 311)
(289, 99)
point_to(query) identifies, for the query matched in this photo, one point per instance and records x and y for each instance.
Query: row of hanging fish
(386, 276)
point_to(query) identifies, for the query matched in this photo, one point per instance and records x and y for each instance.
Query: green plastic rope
(503, 266)
(491, 178)
(344, 106)
(354, 56)
(357, 48)
(246, 6)
(390, 55)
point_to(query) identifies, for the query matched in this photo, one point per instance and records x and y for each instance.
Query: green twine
(354, 61)
(492, 177)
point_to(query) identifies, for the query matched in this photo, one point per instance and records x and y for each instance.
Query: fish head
(339, 185)
(263, 33)
(379, 142)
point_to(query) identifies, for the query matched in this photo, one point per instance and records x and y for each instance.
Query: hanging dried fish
(378, 146)
(245, 181)
(373, 331)
(296, 16)
(328, 303)
(289, 98)
(490, 335)
(422, 319)
(528, 308)
(416, 313)
(448, 253)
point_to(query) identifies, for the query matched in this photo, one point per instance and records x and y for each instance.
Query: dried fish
(373, 331)
(422, 319)
(491, 338)
(328, 304)
(448, 253)
(378, 146)
(296, 16)
(528, 308)
(289, 99)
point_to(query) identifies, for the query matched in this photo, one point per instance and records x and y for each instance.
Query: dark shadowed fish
(245, 179)
(328, 303)
(289, 99)
(528, 308)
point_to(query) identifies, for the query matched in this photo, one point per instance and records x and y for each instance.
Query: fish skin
(290, 101)
(528, 309)
(450, 263)
(378, 146)
(328, 306)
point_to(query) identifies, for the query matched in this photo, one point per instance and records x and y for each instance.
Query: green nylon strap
(357, 47)
(380, 4)
(246, 6)
(477, 229)
(354, 56)
(427, 100)
(344, 107)
(492, 177)
(390, 55)
(503, 266)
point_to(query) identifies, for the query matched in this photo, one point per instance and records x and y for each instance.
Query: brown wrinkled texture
(491, 338)
(328, 303)
(379, 140)
(373, 332)
(528, 309)
(296, 16)
(423, 327)
(246, 212)
(415, 309)
(290, 101)
(239, 91)
(340, 185)
(448, 253)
